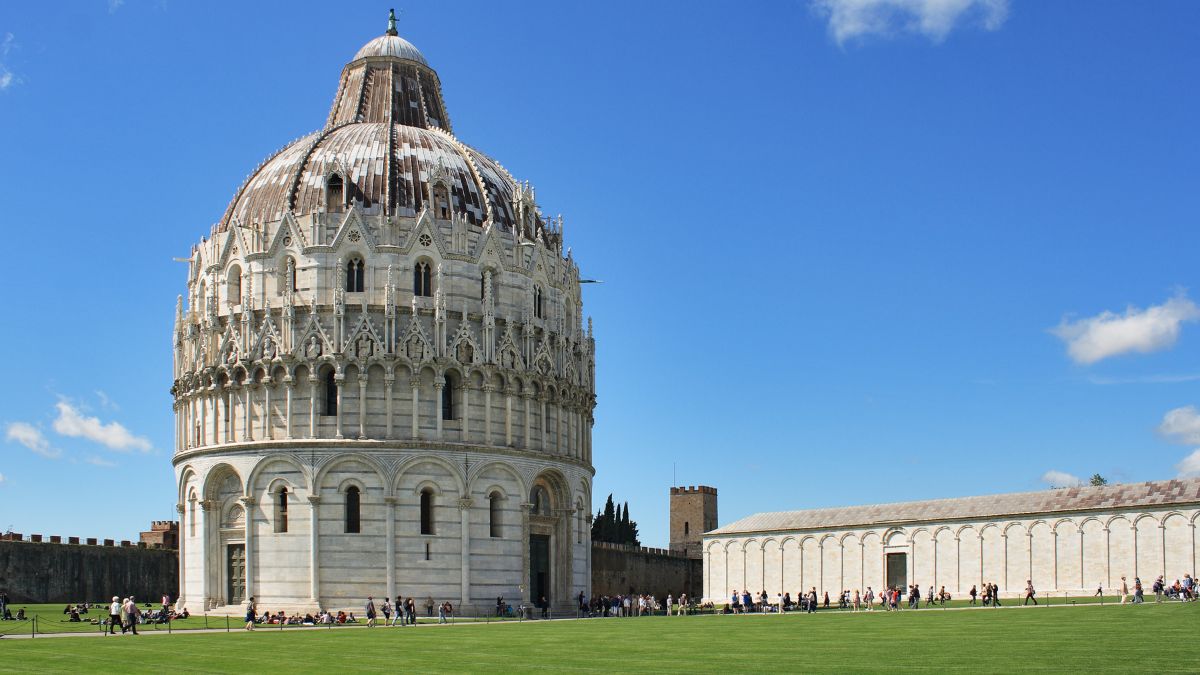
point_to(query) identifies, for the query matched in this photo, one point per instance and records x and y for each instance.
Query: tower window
(537, 301)
(281, 510)
(482, 288)
(423, 280)
(353, 510)
(335, 193)
(331, 397)
(427, 511)
(686, 528)
(355, 276)
(448, 399)
(233, 286)
(494, 515)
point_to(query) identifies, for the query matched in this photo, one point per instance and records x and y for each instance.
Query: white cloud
(1181, 425)
(1189, 467)
(114, 5)
(7, 78)
(1, 479)
(105, 401)
(1061, 479)
(1138, 330)
(934, 19)
(100, 461)
(30, 437)
(70, 422)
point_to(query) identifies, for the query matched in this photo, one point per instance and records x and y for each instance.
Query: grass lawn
(1147, 638)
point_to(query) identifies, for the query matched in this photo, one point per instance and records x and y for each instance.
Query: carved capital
(179, 508)
(314, 499)
(390, 501)
(246, 501)
(208, 505)
(465, 503)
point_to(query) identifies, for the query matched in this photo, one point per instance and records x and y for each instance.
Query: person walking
(1029, 592)
(974, 592)
(1138, 592)
(1124, 591)
(251, 613)
(429, 606)
(370, 611)
(386, 610)
(114, 617)
(131, 611)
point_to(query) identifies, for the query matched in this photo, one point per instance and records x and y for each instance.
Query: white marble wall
(1061, 553)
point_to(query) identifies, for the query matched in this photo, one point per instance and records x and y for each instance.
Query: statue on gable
(415, 349)
(364, 347)
(269, 348)
(465, 353)
(312, 349)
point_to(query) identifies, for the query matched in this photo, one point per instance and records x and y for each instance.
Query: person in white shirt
(114, 617)
(131, 613)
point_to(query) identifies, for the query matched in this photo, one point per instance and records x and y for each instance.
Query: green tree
(1098, 480)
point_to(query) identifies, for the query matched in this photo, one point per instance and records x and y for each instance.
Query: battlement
(75, 541)
(694, 489)
(164, 526)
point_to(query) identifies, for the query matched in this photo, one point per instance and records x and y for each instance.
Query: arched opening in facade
(494, 515)
(427, 511)
(353, 515)
(355, 275)
(423, 279)
(281, 510)
(335, 193)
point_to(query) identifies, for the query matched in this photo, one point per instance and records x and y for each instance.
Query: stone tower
(693, 512)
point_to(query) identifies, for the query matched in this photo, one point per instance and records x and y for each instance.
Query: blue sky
(853, 252)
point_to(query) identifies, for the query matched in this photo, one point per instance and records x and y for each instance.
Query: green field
(1146, 638)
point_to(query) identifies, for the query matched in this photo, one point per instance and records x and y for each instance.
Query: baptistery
(382, 381)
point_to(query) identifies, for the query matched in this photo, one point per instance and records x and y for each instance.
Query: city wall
(619, 569)
(53, 572)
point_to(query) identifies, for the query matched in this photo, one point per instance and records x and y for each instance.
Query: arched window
(537, 301)
(353, 510)
(355, 276)
(192, 517)
(448, 398)
(423, 280)
(202, 298)
(494, 514)
(482, 286)
(281, 509)
(441, 202)
(335, 193)
(427, 511)
(233, 286)
(685, 528)
(331, 398)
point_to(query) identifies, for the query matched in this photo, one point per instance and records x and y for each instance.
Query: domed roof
(388, 138)
(395, 170)
(391, 45)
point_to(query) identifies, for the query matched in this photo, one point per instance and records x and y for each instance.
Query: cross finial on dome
(391, 23)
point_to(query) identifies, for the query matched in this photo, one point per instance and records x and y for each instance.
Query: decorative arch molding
(351, 481)
(892, 531)
(186, 475)
(428, 484)
(770, 540)
(1112, 519)
(406, 466)
(714, 546)
(337, 460)
(261, 466)
(216, 475)
(1142, 516)
(1054, 528)
(1015, 524)
(556, 483)
(477, 471)
(941, 529)
(730, 546)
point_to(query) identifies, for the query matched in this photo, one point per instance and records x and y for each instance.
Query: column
(466, 408)
(487, 418)
(464, 511)
(248, 505)
(1055, 540)
(227, 415)
(439, 387)
(525, 506)
(314, 552)
(287, 406)
(246, 432)
(958, 565)
(545, 443)
(312, 406)
(362, 404)
(1081, 584)
(1162, 532)
(527, 403)
(388, 381)
(389, 511)
(415, 383)
(508, 440)
(1029, 548)
(207, 544)
(339, 382)
(267, 385)
(558, 413)
(1107, 558)
(183, 530)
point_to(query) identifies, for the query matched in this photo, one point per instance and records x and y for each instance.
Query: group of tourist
(631, 605)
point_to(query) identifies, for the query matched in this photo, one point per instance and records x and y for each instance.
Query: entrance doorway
(897, 571)
(235, 572)
(539, 567)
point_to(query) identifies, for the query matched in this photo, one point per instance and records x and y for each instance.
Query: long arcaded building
(1069, 540)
